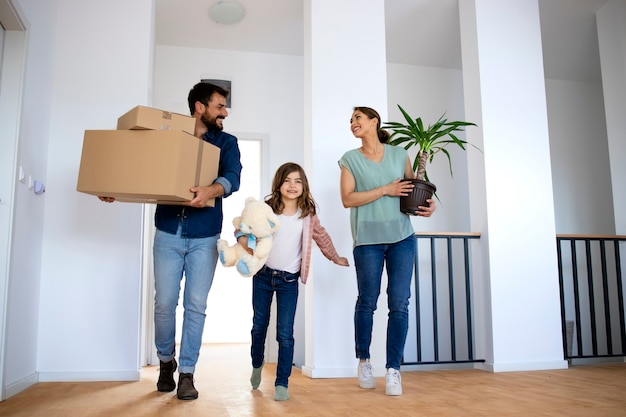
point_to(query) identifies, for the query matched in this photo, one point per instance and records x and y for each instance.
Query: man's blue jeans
(265, 283)
(399, 259)
(196, 259)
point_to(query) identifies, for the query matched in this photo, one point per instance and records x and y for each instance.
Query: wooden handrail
(586, 236)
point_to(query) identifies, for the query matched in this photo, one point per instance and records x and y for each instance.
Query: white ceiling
(276, 27)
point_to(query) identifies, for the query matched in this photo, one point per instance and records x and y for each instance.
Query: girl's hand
(342, 261)
(243, 241)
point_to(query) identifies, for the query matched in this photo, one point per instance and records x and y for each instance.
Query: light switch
(40, 188)
(22, 177)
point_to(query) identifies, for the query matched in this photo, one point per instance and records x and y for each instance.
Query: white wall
(504, 84)
(612, 41)
(267, 93)
(580, 161)
(74, 311)
(342, 70)
(22, 324)
(428, 93)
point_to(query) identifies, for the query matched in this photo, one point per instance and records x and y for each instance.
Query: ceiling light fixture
(227, 12)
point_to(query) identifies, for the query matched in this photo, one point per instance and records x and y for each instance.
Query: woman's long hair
(306, 203)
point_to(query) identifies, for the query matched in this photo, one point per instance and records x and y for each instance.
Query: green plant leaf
(430, 140)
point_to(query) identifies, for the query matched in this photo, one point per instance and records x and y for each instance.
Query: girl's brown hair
(306, 203)
(383, 135)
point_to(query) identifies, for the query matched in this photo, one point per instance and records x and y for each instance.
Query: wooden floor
(222, 377)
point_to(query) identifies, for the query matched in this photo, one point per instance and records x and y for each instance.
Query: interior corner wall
(90, 292)
(342, 70)
(578, 140)
(502, 58)
(612, 42)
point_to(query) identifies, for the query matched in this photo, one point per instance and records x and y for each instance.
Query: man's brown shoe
(186, 390)
(166, 381)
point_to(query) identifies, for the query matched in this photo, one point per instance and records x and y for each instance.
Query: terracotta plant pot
(423, 191)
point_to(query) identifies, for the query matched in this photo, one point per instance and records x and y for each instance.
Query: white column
(517, 292)
(612, 41)
(345, 66)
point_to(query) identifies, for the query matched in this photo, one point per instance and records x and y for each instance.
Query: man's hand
(204, 194)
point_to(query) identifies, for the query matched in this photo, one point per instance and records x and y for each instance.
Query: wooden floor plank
(222, 378)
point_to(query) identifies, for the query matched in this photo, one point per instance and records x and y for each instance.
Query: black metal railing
(441, 330)
(592, 296)
(591, 289)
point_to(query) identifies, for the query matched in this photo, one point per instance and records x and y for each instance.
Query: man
(185, 242)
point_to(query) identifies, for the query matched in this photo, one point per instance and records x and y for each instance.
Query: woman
(371, 184)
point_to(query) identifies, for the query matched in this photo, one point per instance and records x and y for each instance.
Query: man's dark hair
(202, 92)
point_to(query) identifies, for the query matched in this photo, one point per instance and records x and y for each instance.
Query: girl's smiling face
(291, 187)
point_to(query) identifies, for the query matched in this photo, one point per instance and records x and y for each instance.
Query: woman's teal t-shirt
(380, 221)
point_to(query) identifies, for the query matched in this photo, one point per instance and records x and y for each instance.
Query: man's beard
(211, 124)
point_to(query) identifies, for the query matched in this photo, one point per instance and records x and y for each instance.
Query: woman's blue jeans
(265, 283)
(196, 259)
(399, 259)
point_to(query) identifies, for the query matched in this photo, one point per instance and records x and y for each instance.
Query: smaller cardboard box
(146, 166)
(141, 117)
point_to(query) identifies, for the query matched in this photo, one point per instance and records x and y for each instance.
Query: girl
(289, 259)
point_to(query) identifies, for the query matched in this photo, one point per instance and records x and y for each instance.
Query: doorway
(229, 307)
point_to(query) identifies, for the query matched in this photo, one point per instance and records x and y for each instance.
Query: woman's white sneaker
(366, 375)
(393, 382)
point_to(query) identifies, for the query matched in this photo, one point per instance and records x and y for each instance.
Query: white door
(12, 50)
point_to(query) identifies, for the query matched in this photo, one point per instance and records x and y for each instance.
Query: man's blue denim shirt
(206, 221)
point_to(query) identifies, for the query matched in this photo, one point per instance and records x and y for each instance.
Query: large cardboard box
(146, 166)
(141, 117)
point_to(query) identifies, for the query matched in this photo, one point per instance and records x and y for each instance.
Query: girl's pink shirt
(313, 230)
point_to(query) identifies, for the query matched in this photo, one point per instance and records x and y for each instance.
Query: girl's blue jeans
(399, 259)
(265, 283)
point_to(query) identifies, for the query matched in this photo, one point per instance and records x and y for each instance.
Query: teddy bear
(258, 222)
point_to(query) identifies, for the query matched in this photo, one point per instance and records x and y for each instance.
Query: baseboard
(598, 361)
(522, 366)
(329, 372)
(437, 367)
(89, 376)
(21, 385)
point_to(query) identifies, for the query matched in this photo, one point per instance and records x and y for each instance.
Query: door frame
(12, 67)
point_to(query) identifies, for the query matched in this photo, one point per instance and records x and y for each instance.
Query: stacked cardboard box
(141, 117)
(153, 157)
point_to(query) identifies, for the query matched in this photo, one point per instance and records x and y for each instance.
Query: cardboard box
(146, 166)
(141, 117)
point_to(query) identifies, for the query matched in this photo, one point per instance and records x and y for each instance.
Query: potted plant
(429, 141)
